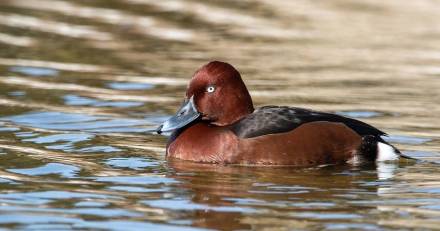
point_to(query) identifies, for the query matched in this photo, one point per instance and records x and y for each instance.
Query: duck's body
(219, 125)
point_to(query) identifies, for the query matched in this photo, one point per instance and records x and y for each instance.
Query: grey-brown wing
(278, 119)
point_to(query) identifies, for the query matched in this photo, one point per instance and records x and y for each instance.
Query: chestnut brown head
(220, 94)
(217, 94)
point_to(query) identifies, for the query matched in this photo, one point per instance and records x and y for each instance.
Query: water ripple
(50, 168)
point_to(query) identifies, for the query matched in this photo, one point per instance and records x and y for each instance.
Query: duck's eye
(210, 89)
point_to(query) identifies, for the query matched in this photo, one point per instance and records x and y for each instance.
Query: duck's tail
(374, 148)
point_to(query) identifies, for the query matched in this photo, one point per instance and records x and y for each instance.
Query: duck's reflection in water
(240, 197)
(385, 170)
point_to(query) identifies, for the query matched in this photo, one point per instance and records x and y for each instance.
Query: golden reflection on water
(84, 83)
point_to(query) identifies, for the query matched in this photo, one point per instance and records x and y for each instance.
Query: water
(83, 83)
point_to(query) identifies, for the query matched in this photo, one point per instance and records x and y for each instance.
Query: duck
(218, 124)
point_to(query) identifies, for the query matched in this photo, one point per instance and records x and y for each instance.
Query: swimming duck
(217, 123)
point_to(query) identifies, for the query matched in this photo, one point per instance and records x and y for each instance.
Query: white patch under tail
(386, 153)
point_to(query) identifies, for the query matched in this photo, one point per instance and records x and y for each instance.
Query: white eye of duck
(210, 89)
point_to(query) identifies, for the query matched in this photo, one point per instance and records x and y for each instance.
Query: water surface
(84, 82)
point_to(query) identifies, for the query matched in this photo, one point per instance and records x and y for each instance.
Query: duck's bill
(185, 115)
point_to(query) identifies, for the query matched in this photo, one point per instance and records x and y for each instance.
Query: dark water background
(83, 82)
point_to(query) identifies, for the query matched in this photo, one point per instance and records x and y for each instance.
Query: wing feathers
(276, 119)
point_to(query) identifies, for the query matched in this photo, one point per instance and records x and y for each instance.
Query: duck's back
(277, 119)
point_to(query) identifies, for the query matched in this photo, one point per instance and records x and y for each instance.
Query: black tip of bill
(159, 129)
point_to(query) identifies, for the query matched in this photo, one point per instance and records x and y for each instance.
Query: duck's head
(215, 94)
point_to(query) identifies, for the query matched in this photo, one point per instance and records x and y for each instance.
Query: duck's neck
(232, 116)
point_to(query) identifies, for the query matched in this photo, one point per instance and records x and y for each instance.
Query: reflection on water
(83, 85)
(34, 71)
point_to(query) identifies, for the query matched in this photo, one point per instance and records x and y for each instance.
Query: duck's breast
(202, 142)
